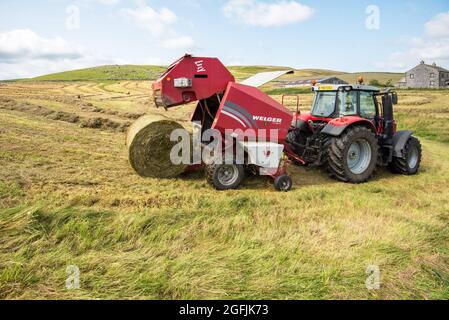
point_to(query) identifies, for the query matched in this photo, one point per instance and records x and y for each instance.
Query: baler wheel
(352, 157)
(225, 176)
(412, 161)
(283, 183)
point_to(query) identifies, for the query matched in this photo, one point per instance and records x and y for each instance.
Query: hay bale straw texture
(149, 146)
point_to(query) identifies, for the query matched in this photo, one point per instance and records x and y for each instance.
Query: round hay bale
(149, 146)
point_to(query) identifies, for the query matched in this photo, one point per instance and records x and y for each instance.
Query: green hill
(311, 74)
(141, 72)
(382, 77)
(116, 72)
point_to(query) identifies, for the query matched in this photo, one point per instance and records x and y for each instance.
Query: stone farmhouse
(425, 76)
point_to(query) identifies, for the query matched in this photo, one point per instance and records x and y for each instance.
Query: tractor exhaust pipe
(387, 105)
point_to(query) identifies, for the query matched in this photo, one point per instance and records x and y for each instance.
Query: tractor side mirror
(394, 98)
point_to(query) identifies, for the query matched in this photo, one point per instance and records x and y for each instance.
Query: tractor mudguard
(332, 130)
(337, 126)
(400, 139)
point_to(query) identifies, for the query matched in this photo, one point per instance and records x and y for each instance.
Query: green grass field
(69, 197)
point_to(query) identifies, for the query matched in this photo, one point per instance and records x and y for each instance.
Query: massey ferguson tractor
(350, 130)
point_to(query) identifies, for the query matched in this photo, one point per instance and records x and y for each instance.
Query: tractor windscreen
(347, 103)
(335, 103)
(324, 104)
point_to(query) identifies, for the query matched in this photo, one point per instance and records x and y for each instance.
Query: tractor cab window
(324, 104)
(367, 105)
(347, 103)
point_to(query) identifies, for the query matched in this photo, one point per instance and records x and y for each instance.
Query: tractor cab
(336, 101)
(351, 129)
(343, 105)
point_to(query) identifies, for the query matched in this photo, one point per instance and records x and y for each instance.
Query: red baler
(224, 104)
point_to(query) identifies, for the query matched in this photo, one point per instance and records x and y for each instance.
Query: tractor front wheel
(225, 176)
(352, 157)
(410, 163)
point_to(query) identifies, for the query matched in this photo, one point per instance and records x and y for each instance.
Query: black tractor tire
(225, 176)
(283, 183)
(326, 144)
(359, 145)
(293, 137)
(412, 161)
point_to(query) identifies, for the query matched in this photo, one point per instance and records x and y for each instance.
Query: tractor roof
(336, 87)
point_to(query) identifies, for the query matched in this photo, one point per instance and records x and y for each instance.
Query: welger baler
(260, 123)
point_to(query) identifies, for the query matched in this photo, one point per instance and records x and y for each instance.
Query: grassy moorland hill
(382, 77)
(116, 72)
(136, 72)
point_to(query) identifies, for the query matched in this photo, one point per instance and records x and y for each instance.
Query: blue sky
(38, 37)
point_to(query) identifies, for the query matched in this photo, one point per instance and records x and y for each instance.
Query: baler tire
(283, 183)
(337, 157)
(213, 172)
(403, 165)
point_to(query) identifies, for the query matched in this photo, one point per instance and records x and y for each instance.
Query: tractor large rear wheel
(352, 157)
(409, 165)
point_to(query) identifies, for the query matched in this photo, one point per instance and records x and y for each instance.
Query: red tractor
(350, 130)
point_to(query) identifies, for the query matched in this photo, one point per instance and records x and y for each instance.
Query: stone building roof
(433, 66)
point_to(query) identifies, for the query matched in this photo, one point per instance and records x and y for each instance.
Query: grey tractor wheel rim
(228, 174)
(413, 157)
(359, 156)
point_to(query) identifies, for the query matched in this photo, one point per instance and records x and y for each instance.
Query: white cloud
(103, 2)
(22, 44)
(156, 22)
(178, 43)
(262, 14)
(159, 24)
(438, 27)
(24, 53)
(428, 50)
(436, 50)
(109, 2)
(434, 47)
